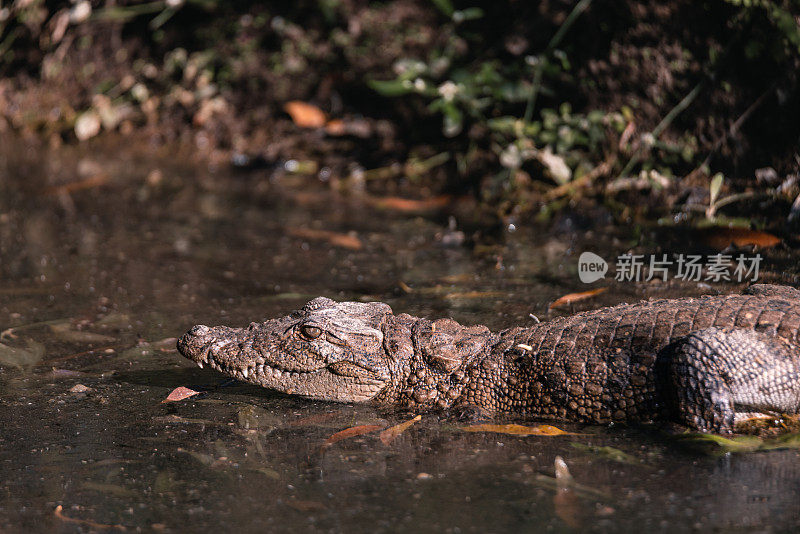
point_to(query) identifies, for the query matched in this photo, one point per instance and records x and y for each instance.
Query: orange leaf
(410, 205)
(388, 435)
(576, 297)
(334, 238)
(305, 115)
(722, 238)
(351, 432)
(335, 127)
(518, 430)
(180, 393)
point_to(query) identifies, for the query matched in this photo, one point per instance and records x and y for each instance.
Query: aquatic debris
(58, 512)
(571, 298)
(718, 444)
(389, 435)
(518, 430)
(179, 394)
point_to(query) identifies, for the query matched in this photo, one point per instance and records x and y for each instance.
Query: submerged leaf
(571, 298)
(351, 432)
(518, 430)
(388, 435)
(22, 358)
(609, 453)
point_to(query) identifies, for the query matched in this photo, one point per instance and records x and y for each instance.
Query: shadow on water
(97, 281)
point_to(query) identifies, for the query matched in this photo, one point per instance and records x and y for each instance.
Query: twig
(585, 180)
(665, 122)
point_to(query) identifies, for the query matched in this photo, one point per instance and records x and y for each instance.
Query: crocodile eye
(310, 332)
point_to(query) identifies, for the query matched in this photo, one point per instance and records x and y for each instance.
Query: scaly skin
(704, 362)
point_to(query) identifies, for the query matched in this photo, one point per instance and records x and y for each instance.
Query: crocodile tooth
(200, 364)
(246, 372)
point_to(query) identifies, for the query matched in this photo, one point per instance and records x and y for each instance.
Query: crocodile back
(599, 365)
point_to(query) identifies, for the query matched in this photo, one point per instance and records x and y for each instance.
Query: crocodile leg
(713, 378)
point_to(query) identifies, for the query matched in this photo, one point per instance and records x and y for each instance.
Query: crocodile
(706, 363)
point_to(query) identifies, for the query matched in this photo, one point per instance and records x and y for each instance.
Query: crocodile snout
(192, 343)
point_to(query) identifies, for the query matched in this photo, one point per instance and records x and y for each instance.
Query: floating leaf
(351, 432)
(518, 430)
(21, 358)
(180, 393)
(334, 238)
(571, 298)
(305, 115)
(722, 238)
(389, 435)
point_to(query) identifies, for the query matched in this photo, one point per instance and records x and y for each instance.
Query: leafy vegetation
(537, 104)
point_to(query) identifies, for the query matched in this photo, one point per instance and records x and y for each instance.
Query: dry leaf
(334, 238)
(389, 435)
(407, 205)
(351, 432)
(180, 393)
(722, 238)
(571, 298)
(519, 430)
(305, 115)
(335, 127)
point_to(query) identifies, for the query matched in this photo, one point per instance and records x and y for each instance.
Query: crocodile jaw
(226, 350)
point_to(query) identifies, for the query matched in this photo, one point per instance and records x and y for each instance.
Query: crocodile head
(325, 350)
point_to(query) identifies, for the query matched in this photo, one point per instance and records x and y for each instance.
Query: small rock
(80, 388)
(87, 125)
(424, 476)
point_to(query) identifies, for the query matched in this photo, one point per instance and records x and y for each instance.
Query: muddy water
(106, 258)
